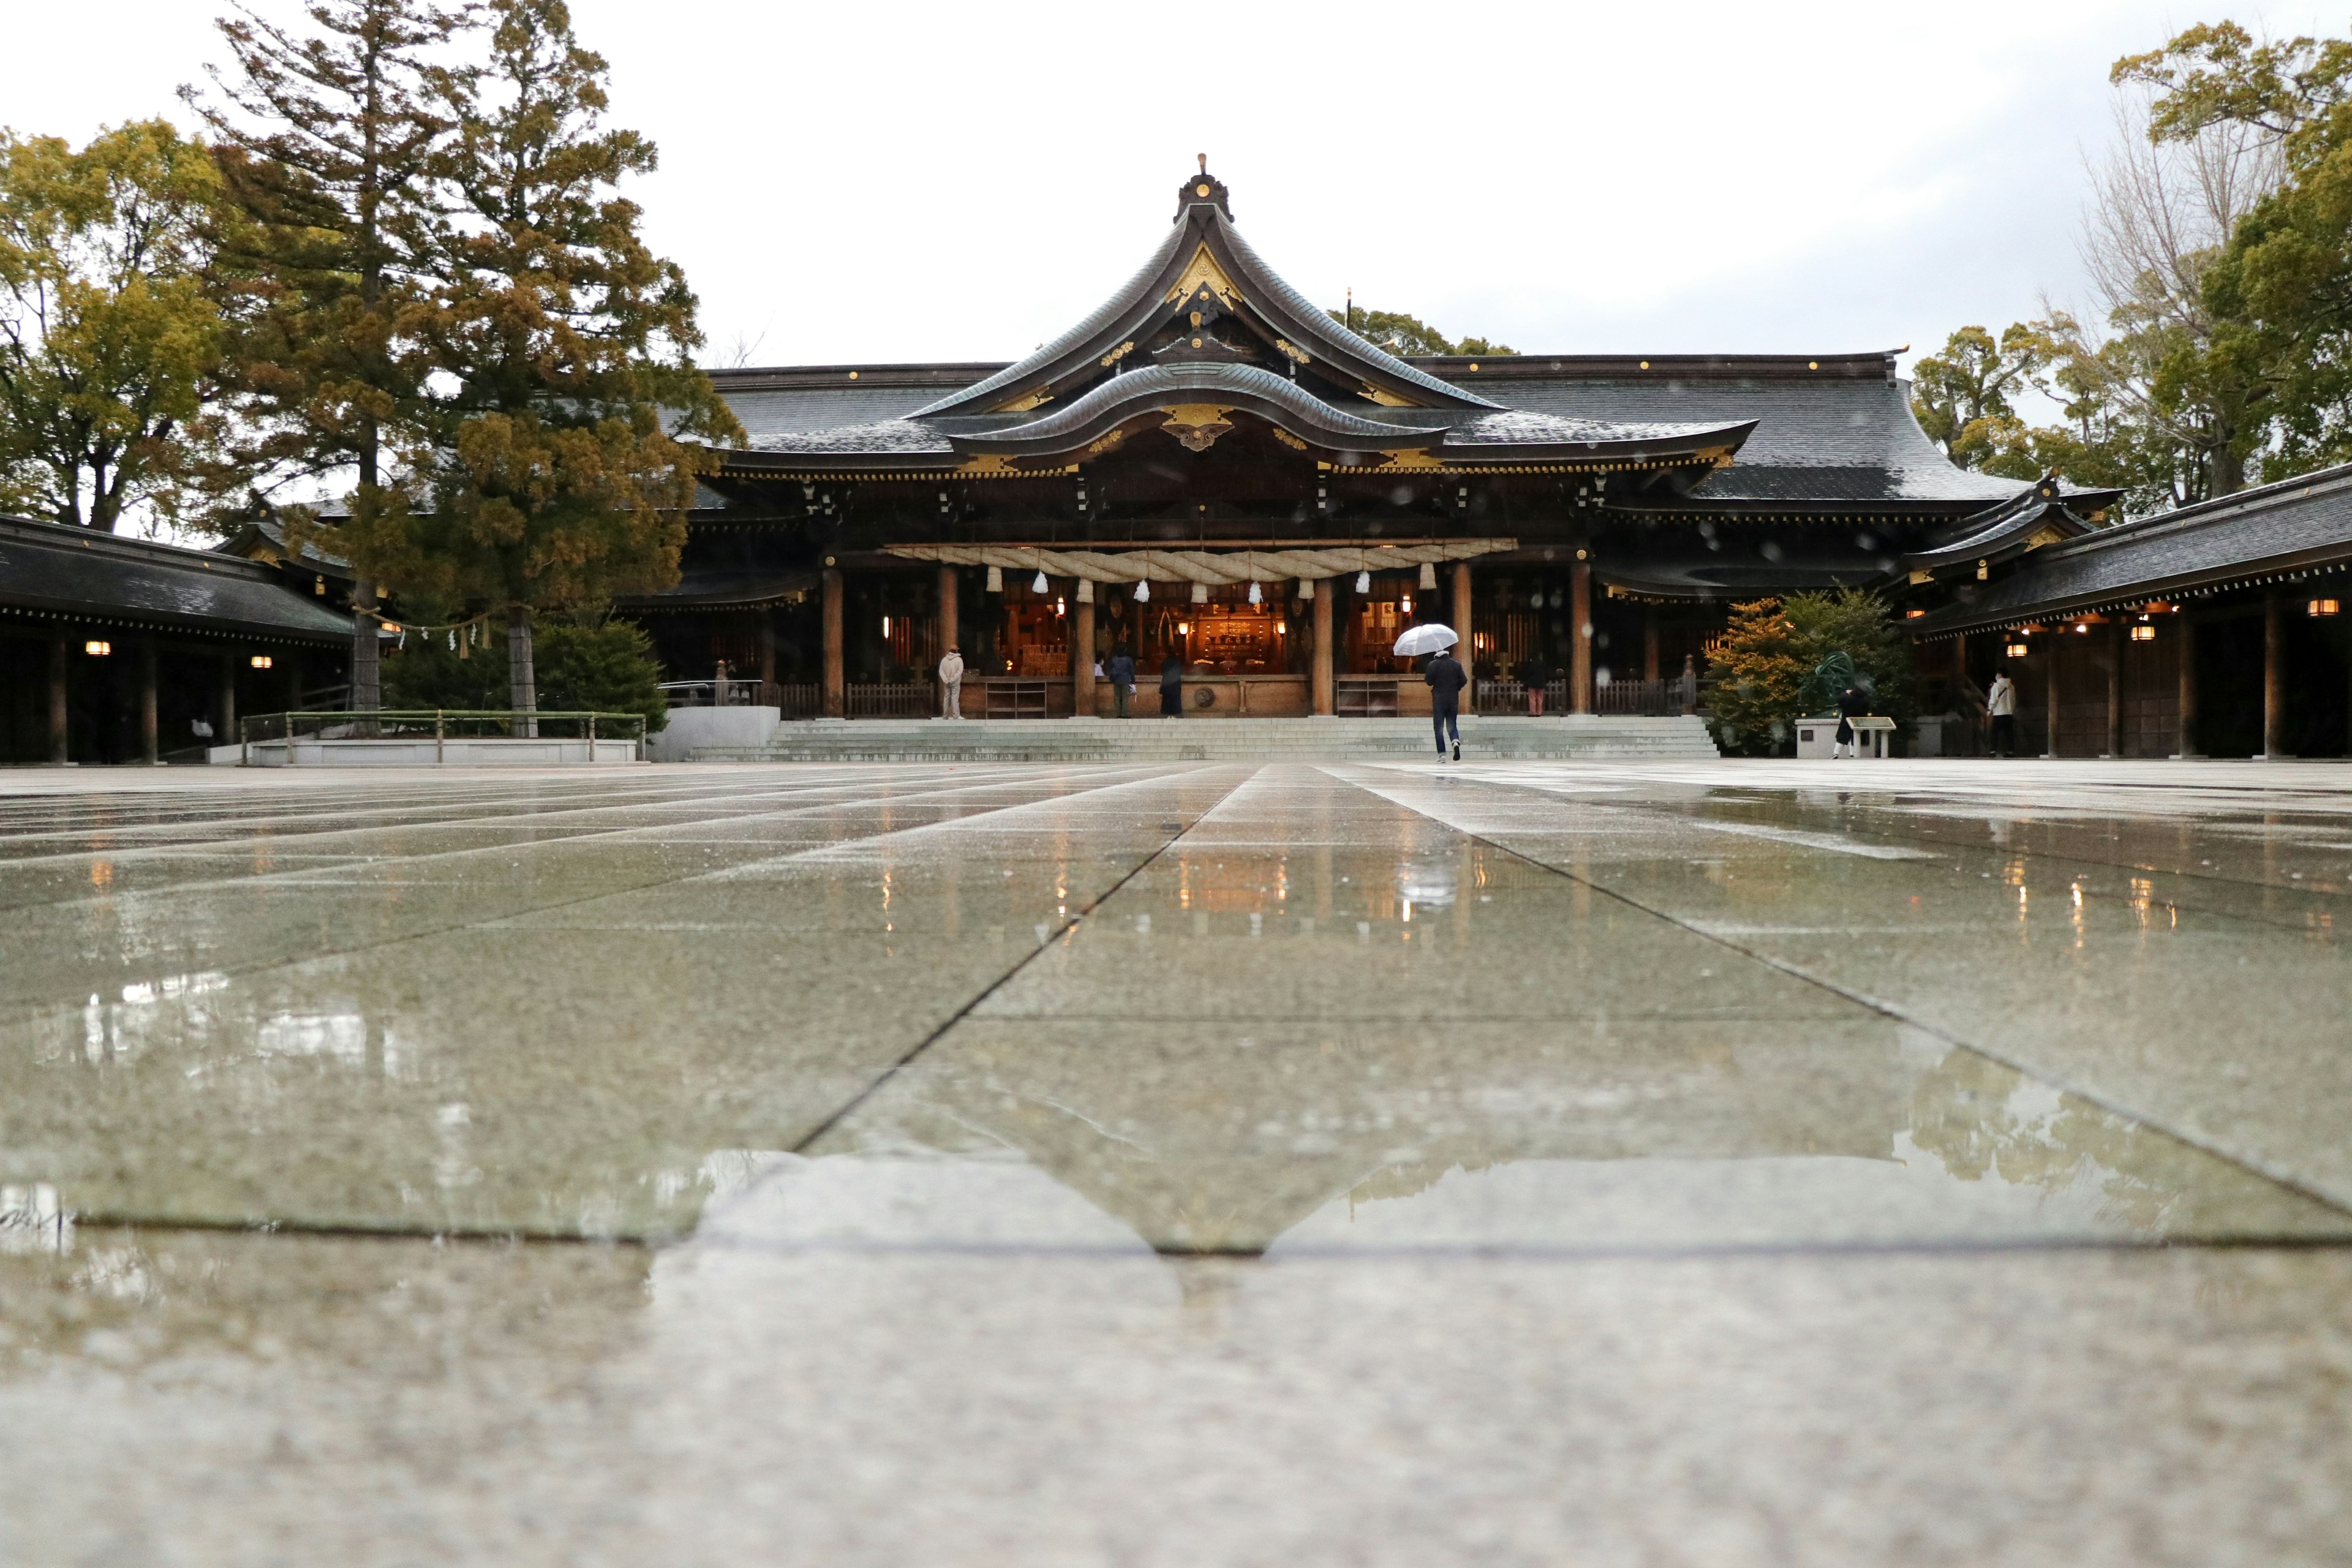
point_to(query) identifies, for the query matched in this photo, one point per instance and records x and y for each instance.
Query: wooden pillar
(950, 614)
(60, 655)
(1323, 685)
(1082, 656)
(2116, 646)
(2186, 635)
(1649, 643)
(2050, 700)
(1462, 629)
(767, 657)
(148, 750)
(1579, 638)
(225, 725)
(834, 699)
(2273, 675)
(294, 682)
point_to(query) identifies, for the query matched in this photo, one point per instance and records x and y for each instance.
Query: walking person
(1852, 704)
(951, 685)
(1535, 675)
(1445, 680)
(1171, 686)
(2001, 704)
(1122, 678)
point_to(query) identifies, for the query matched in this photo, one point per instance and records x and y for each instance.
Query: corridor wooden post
(2187, 652)
(1649, 643)
(2273, 675)
(1462, 629)
(2116, 646)
(225, 734)
(1324, 662)
(767, 658)
(834, 702)
(951, 616)
(59, 657)
(148, 748)
(1082, 655)
(1579, 638)
(2049, 700)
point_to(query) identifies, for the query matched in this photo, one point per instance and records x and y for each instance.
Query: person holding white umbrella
(1445, 678)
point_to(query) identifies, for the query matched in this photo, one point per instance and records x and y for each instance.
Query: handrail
(416, 723)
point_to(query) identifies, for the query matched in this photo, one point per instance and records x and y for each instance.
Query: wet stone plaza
(1529, 1162)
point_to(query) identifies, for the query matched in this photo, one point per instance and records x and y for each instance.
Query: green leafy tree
(108, 326)
(1767, 667)
(2286, 276)
(554, 470)
(1407, 336)
(1961, 397)
(604, 669)
(601, 668)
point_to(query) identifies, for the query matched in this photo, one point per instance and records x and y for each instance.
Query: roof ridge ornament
(1203, 190)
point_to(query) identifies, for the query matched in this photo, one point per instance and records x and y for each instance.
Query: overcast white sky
(873, 183)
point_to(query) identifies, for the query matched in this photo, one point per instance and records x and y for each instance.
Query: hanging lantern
(1256, 598)
(1429, 577)
(1143, 590)
(1039, 585)
(996, 579)
(1086, 590)
(1199, 593)
(1363, 581)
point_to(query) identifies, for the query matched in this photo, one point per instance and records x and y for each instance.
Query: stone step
(1490, 737)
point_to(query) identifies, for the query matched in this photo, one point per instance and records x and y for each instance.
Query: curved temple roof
(1204, 331)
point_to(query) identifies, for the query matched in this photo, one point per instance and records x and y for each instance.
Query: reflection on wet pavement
(887, 1081)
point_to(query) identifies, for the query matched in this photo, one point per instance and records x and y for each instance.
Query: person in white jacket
(951, 685)
(2001, 704)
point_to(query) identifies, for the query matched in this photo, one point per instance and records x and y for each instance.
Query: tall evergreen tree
(559, 457)
(326, 140)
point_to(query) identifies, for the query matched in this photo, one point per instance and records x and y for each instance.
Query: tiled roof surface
(2294, 523)
(77, 571)
(1839, 440)
(1129, 297)
(1834, 439)
(884, 436)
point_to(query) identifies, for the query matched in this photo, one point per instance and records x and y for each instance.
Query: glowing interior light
(261, 661)
(98, 650)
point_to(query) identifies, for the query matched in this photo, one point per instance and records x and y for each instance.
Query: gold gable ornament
(1203, 269)
(1196, 425)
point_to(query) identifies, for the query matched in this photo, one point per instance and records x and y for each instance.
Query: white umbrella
(1428, 638)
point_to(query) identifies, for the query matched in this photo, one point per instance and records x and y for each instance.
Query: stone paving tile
(568, 1079)
(1603, 1133)
(239, 1400)
(2226, 1030)
(1560, 1250)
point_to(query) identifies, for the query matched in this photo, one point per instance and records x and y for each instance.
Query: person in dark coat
(1853, 703)
(1445, 680)
(1171, 687)
(1535, 675)
(1121, 671)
